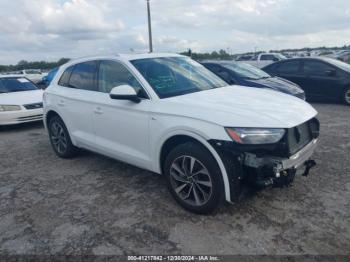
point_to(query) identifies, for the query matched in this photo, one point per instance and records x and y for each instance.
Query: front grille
(301, 135)
(33, 106)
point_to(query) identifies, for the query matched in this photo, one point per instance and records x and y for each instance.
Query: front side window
(173, 76)
(290, 67)
(112, 74)
(15, 84)
(316, 68)
(83, 76)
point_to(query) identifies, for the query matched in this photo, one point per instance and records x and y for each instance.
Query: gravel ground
(96, 205)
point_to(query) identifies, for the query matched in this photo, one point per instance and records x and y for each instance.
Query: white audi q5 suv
(168, 114)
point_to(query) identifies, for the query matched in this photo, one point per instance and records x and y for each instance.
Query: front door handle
(98, 111)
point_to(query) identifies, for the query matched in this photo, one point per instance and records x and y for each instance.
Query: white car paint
(33, 75)
(262, 61)
(20, 99)
(136, 132)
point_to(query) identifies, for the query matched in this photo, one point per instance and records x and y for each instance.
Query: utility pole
(149, 27)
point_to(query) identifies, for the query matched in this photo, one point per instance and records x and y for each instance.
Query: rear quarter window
(64, 80)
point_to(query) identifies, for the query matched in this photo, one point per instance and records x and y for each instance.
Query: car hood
(277, 83)
(22, 97)
(238, 106)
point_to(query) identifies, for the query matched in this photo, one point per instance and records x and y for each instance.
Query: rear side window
(288, 67)
(83, 76)
(64, 80)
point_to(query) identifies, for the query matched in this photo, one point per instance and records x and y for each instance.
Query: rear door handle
(98, 111)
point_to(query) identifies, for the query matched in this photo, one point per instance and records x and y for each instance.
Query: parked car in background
(343, 56)
(168, 114)
(46, 80)
(20, 100)
(321, 78)
(239, 73)
(264, 59)
(33, 75)
(245, 57)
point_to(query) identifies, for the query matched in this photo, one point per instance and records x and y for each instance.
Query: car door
(321, 79)
(121, 126)
(74, 99)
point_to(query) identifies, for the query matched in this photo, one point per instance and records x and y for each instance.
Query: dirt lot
(95, 205)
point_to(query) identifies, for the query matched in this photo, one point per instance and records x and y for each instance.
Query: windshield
(340, 64)
(15, 84)
(246, 71)
(173, 76)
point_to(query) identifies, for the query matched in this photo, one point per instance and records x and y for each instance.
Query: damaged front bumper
(271, 169)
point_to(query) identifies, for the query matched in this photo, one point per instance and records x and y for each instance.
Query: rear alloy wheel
(60, 139)
(194, 178)
(347, 96)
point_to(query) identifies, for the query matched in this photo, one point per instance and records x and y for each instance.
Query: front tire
(194, 178)
(60, 139)
(346, 96)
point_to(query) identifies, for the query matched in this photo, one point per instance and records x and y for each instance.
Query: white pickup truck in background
(264, 59)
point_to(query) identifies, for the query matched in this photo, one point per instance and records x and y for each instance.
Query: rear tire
(194, 178)
(346, 96)
(60, 139)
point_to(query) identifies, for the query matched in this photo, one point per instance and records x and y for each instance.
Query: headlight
(255, 136)
(9, 108)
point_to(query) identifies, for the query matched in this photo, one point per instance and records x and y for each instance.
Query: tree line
(215, 55)
(23, 64)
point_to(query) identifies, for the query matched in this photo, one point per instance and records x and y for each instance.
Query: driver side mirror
(124, 92)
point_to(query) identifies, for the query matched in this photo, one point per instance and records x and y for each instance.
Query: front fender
(201, 138)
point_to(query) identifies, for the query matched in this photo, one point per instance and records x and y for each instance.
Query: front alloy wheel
(190, 180)
(194, 178)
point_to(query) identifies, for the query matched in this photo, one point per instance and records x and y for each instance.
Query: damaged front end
(279, 171)
(274, 164)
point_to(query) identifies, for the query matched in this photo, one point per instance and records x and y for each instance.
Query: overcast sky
(50, 29)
